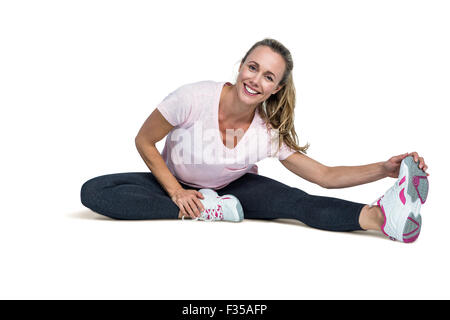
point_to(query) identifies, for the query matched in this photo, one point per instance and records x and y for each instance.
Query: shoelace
(211, 214)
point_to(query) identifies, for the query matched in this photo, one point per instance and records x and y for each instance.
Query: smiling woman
(276, 107)
(257, 112)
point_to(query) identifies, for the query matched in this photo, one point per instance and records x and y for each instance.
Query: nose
(254, 82)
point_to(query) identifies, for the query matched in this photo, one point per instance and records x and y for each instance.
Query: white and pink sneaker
(220, 208)
(401, 203)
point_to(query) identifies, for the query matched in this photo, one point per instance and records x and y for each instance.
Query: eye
(270, 78)
(250, 67)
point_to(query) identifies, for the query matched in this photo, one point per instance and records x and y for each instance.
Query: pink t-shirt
(194, 151)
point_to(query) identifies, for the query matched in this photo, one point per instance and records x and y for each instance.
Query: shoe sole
(417, 189)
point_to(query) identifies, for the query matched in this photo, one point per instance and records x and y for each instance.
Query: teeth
(250, 90)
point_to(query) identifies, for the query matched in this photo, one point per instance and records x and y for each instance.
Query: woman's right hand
(188, 202)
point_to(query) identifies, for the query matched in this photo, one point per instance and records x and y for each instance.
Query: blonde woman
(217, 131)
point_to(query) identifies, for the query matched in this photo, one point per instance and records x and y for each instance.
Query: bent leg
(129, 196)
(265, 198)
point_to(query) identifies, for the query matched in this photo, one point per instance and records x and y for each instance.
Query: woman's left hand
(392, 166)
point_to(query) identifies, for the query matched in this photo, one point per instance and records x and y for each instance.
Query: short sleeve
(273, 141)
(176, 107)
(285, 152)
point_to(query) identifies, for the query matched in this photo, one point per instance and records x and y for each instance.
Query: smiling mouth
(250, 91)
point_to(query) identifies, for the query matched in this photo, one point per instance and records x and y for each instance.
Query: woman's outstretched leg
(265, 198)
(129, 196)
(139, 196)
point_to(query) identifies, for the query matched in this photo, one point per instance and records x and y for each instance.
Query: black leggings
(139, 196)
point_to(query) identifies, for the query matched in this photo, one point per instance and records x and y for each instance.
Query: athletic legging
(139, 196)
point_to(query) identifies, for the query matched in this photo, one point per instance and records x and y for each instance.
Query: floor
(82, 255)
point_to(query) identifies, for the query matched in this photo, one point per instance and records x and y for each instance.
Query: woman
(217, 131)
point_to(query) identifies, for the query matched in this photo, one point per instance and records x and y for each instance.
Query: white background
(78, 79)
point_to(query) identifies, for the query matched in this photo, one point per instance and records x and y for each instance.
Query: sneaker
(225, 208)
(401, 203)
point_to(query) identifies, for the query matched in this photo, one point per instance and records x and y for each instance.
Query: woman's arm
(307, 168)
(154, 129)
(345, 176)
(333, 177)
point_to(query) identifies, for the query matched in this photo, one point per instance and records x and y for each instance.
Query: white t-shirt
(194, 150)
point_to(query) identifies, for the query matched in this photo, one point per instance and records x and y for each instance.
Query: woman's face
(260, 73)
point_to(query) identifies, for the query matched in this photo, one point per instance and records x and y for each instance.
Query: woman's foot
(371, 218)
(401, 204)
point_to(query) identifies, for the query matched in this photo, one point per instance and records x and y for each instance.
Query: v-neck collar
(222, 84)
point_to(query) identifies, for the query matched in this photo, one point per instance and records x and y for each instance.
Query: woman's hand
(188, 202)
(392, 166)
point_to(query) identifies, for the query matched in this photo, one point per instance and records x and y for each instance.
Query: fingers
(200, 195)
(420, 161)
(194, 207)
(415, 156)
(400, 157)
(183, 213)
(186, 208)
(199, 205)
(183, 210)
(189, 203)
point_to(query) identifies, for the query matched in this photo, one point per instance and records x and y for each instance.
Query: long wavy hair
(278, 110)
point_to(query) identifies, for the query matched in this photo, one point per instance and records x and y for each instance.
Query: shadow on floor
(87, 214)
(296, 223)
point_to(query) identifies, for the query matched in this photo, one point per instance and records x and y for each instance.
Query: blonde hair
(278, 110)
